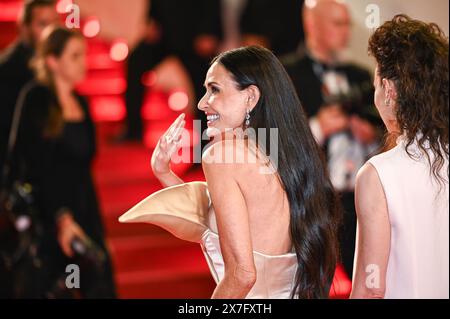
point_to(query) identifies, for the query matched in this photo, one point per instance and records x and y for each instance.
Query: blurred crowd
(47, 139)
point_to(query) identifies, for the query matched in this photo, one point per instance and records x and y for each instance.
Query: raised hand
(168, 144)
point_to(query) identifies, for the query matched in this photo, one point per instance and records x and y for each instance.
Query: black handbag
(20, 232)
(16, 195)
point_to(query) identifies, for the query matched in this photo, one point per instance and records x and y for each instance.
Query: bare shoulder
(369, 193)
(216, 151)
(367, 175)
(231, 156)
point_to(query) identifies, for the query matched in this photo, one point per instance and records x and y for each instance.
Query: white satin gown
(185, 210)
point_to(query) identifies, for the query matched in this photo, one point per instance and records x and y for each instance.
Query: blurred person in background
(54, 150)
(15, 72)
(191, 31)
(276, 25)
(338, 98)
(402, 194)
(232, 11)
(14, 62)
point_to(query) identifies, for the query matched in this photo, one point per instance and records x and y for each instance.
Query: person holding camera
(338, 98)
(53, 153)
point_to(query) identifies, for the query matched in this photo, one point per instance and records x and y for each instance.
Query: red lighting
(149, 78)
(119, 51)
(9, 11)
(178, 101)
(107, 109)
(61, 6)
(91, 28)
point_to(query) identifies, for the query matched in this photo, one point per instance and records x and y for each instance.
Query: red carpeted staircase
(148, 261)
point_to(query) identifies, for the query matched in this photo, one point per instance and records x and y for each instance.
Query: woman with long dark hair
(54, 152)
(271, 228)
(402, 194)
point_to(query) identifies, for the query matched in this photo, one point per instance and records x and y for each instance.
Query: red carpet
(148, 261)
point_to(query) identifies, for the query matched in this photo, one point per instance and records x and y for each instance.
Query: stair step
(172, 287)
(114, 229)
(157, 253)
(149, 267)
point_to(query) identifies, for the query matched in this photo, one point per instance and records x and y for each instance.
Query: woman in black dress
(55, 148)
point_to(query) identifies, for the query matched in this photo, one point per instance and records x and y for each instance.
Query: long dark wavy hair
(414, 55)
(314, 208)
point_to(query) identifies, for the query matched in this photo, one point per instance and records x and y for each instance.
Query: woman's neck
(393, 128)
(63, 88)
(72, 111)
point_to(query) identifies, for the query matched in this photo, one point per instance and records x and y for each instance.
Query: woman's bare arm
(233, 226)
(373, 236)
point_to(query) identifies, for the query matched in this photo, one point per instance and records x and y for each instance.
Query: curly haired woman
(402, 194)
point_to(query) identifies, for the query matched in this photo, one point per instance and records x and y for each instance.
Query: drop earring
(387, 102)
(247, 119)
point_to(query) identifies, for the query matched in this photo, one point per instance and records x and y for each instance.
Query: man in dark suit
(15, 71)
(274, 24)
(338, 99)
(188, 29)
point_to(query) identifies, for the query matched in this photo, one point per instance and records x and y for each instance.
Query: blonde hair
(53, 42)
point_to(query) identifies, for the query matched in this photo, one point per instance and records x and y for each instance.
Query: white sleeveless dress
(185, 211)
(418, 265)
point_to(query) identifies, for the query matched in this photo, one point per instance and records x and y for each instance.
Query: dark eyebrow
(211, 83)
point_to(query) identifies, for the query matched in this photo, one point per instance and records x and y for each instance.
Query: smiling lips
(212, 118)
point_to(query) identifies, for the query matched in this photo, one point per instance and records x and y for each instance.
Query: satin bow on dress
(186, 211)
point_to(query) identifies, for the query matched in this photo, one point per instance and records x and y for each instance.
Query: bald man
(338, 98)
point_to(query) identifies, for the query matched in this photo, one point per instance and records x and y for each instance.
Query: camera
(19, 229)
(356, 102)
(88, 254)
(91, 260)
